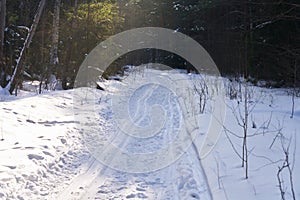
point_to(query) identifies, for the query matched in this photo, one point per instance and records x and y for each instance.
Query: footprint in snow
(63, 141)
(34, 156)
(142, 196)
(194, 196)
(10, 167)
(20, 197)
(131, 196)
(30, 121)
(102, 192)
(47, 153)
(122, 188)
(29, 148)
(140, 189)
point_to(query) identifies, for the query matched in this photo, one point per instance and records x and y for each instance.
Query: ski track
(183, 179)
(43, 155)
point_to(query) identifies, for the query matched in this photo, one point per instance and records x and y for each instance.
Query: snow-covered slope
(271, 115)
(44, 152)
(40, 146)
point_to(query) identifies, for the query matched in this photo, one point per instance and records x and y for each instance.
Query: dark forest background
(252, 38)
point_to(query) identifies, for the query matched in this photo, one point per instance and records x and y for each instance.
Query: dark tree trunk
(70, 50)
(2, 28)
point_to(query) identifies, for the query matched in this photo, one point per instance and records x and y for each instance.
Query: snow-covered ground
(47, 152)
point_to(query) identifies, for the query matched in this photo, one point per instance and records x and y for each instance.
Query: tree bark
(69, 53)
(2, 28)
(17, 71)
(54, 47)
(294, 88)
(55, 34)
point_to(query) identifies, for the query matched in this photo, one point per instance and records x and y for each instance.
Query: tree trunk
(69, 54)
(294, 88)
(55, 34)
(54, 47)
(42, 76)
(2, 28)
(17, 71)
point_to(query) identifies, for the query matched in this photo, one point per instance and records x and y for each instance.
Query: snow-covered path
(184, 178)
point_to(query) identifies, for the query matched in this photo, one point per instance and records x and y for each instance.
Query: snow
(35, 145)
(3, 93)
(24, 27)
(45, 155)
(264, 161)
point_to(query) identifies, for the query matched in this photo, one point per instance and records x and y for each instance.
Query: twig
(286, 165)
(2, 135)
(232, 145)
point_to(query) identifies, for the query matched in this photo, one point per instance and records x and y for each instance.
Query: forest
(203, 103)
(257, 39)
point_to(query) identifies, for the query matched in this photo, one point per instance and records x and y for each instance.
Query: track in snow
(183, 179)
